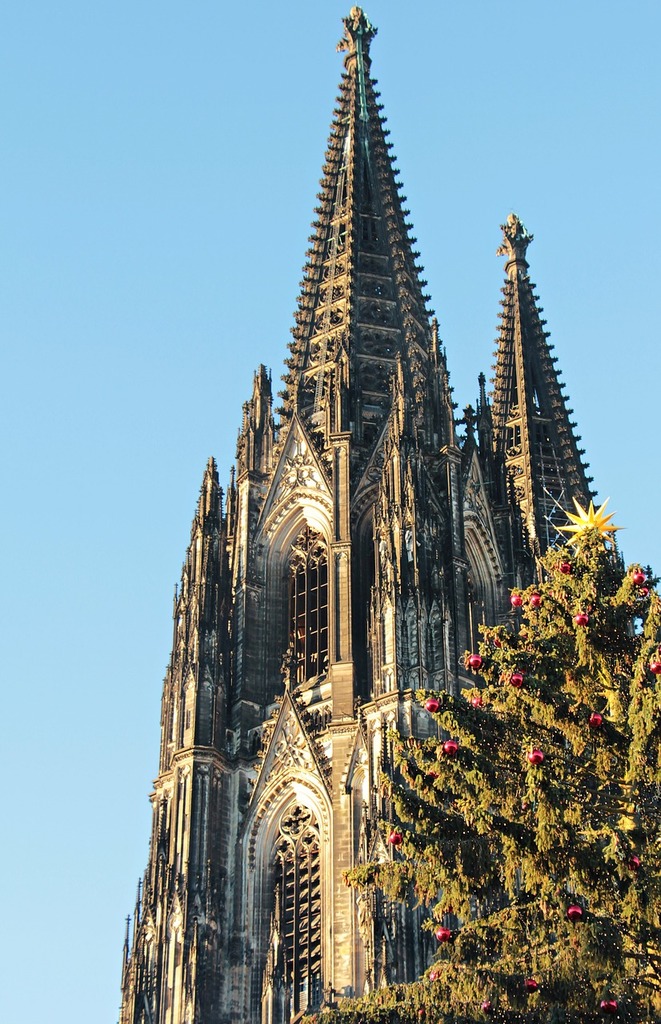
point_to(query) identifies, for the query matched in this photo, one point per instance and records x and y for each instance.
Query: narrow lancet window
(308, 605)
(298, 906)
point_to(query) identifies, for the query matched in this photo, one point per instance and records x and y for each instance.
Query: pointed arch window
(308, 604)
(298, 902)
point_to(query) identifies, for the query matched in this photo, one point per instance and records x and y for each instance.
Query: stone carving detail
(299, 470)
(295, 820)
(291, 747)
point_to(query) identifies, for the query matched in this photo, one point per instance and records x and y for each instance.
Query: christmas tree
(532, 828)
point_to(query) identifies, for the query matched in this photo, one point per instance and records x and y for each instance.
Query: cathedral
(365, 534)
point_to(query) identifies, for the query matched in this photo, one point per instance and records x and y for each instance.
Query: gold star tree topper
(591, 519)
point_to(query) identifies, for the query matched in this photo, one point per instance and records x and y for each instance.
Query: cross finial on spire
(516, 240)
(358, 34)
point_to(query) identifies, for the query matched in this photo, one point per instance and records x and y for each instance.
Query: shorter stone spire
(532, 431)
(516, 240)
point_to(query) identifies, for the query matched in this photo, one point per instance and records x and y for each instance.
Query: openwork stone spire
(362, 305)
(532, 430)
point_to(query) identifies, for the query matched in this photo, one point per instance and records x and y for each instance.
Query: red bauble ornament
(433, 975)
(395, 838)
(639, 577)
(581, 619)
(535, 600)
(655, 667)
(475, 662)
(477, 701)
(516, 679)
(516, 600)
(608, 1006)
(644, 592)
(530, 985)
(574, 912)
(421, 1011)
(432, 704)
(450, 748)
(443, 934)
(487, 1006)
(634, 862)
(595, 721)
(497, 642)
(535, 757)
(565, 568)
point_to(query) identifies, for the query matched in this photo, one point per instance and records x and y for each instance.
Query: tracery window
(308, 605)
(298, 885)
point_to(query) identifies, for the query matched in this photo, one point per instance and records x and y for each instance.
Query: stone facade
(358, 547)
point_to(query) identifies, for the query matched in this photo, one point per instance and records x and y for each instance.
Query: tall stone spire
(361, 305)
(532, 429)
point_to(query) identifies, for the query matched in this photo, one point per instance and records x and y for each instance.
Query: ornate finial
(515, 241)
(358, 34)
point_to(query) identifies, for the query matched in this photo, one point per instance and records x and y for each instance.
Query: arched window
(308, 605)
(298, 901)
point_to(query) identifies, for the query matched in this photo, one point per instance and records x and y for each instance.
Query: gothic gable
(291, 753)
(299, 478)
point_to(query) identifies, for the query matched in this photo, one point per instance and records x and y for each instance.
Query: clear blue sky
(160, 164)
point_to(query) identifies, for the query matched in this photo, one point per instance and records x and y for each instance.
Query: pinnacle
(482, 382)
(210, 478)
(207, 500)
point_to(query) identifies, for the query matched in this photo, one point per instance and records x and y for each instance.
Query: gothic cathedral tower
(359, 545)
